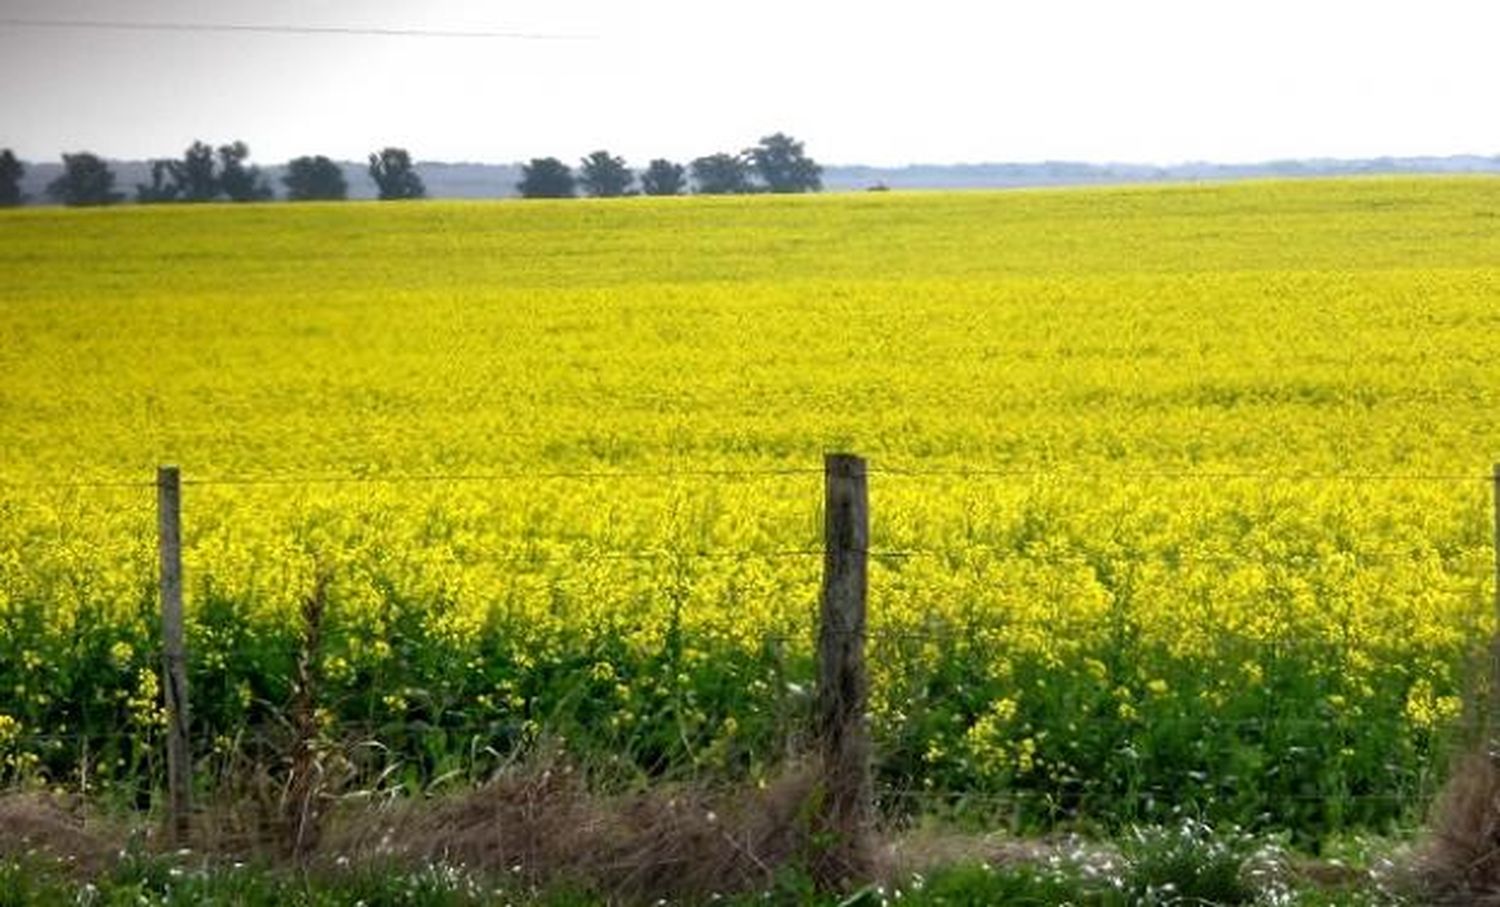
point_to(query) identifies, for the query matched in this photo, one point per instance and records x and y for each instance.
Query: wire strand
(1178, 475)
(589, 475)
(501, 476)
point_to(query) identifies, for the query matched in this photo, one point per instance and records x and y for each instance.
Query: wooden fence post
(1492, 694)
(846, 807)
(174, 653)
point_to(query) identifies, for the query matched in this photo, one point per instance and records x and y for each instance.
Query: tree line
(778, 163)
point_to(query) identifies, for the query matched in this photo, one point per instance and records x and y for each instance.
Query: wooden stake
(1491, 698)
(843, 686)
(174, 653)
(1495, 482)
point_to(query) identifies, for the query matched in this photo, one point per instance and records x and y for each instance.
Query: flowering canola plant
(1179, 495)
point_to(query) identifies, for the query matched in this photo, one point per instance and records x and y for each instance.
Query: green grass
(1188, 864)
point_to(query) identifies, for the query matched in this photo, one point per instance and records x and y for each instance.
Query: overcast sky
(940, 81)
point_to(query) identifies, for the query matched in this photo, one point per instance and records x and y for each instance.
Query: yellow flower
(1426, 710)
(121, 653)
(1026, 756)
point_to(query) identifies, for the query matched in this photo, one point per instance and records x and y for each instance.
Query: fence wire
(1061, 474)
(881, 635)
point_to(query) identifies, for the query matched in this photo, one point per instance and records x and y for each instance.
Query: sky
(880, 83)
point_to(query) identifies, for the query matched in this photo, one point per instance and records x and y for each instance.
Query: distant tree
(721, 174)
(86, 180)
(605, 176)
(314, 179)
(394, 175)
(783, 166)
(11, 171)
(194, 175)
(546, 177)
(162, 188)
(239, 182)
(662, 177)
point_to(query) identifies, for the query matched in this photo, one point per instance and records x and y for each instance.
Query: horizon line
(1032, 162)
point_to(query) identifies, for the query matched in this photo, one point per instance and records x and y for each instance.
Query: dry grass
(542, 825)
(57, 828)
(538, 825)
(1460, 861)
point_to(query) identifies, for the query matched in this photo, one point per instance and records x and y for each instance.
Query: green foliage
(980, 886)
(162, 188)
(395, 177)
(239, 182)
(784, 166)
(198, 177)
(721, 174)
(314, 179)
(603, 175)
(662, 177)
(11, 171)
(86, 181)
(175, 882)
(194, 176)
(547, 177)
(1189, 863)
(1159, 868)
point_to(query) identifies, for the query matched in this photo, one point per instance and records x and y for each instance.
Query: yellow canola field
(1180, 494)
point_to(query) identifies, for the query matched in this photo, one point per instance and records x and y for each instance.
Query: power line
(246, 28)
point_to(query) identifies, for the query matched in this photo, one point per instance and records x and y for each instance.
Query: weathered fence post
(174, 652)
(1492, 694)
(846, 806)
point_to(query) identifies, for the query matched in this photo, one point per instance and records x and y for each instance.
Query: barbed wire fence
(840, 731)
